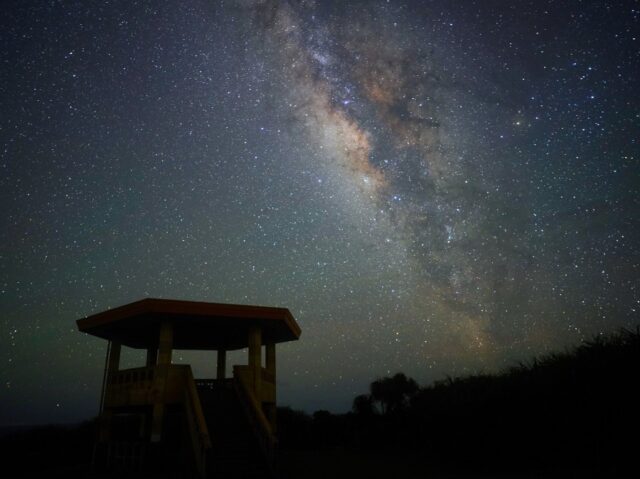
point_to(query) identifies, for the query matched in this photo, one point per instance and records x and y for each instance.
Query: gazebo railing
(198, 430)
(253, 410)
(134, 375)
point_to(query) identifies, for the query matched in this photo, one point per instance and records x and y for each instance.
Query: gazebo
(158, 417)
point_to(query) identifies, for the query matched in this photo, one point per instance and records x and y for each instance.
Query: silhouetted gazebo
(158, 416)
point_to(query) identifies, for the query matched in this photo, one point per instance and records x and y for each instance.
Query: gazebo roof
(196, 325)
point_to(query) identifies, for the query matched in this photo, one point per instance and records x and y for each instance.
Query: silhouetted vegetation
(572, 414)
(47, 451)
(573, 411)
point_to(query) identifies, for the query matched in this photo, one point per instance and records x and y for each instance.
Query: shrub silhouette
(392, 394)
(570, 411)
(363, 405)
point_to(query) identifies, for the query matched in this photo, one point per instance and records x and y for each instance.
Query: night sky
(433, 187)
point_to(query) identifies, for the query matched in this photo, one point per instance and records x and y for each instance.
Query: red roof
(196, 325)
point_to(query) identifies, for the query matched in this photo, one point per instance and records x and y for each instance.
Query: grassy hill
(576, 412)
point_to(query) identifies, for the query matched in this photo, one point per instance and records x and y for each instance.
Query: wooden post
(165, 344)
(270, 360)
(114, 360)
(113, 364)
(152, 355)
(222, 364)
(255, 366)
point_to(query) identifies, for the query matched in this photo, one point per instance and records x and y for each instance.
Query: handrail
(133, 375)
(197, 423)
(259, 423)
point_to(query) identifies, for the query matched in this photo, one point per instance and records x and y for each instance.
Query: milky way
(430, 187)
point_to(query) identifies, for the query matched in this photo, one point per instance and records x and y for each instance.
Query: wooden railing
(130, 376)
(253, 410)
(209, 383)
(131, 387)
(197, 424)
(212, 383)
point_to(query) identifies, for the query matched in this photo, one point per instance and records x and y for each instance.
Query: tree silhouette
(568, 411)
(363, 405)
(393, 394)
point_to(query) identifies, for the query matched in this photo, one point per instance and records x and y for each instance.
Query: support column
(270, 409)
(114, 360)
(165, 347)
(165, 343)
(113, 365)
(222, 364)
(255, 366)
(152, 355)
(271, 359)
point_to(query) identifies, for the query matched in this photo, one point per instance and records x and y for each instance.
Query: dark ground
(568, 415)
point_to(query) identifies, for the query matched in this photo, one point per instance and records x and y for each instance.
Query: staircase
(235, 451)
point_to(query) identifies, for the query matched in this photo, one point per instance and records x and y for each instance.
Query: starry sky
(432, 187)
